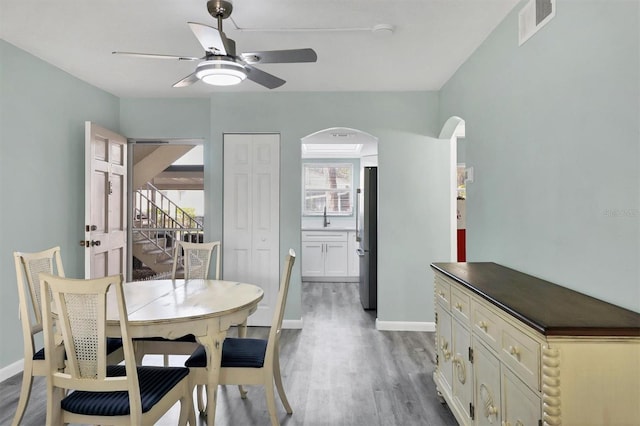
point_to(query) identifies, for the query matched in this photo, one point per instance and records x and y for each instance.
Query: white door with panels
(251, 216)
(105, 228)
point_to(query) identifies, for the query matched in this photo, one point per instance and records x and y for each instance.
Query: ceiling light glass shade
(220, 72)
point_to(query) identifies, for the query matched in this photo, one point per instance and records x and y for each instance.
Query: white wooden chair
(89, 390)
(193, 264)
(252, 361)
(28, 267)
(192, 260)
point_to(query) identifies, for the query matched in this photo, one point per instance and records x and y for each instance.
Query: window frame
(350, 189)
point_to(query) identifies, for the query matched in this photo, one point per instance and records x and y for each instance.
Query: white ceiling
(431, 39)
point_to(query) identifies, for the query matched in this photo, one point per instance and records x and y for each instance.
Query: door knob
(95, 243)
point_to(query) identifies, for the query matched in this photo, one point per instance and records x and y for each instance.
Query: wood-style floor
(338, 370)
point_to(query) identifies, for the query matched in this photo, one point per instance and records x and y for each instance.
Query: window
(330, 186)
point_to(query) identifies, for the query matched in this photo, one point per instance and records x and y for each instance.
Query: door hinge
(472, 411)
(540, 422)
(437, 360)
(436, 317)
(470, 354)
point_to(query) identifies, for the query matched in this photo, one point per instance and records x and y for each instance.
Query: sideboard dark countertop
(548, 308)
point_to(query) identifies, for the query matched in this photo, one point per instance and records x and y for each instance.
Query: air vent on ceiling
(533, 16)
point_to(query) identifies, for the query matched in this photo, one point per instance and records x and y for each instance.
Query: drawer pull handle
(515, 351)
(444, 346)
(459, 306)
(441, 293)
(490, 410)
(461, 368)
(483, 325)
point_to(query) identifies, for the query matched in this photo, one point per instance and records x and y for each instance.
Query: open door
(105, 227)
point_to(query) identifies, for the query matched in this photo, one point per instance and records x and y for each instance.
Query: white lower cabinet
(312, 259)
(324, 254)
(335, 259)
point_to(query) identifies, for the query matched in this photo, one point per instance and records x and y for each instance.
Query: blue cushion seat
(155, 382)
(236, 352)
(113, 344)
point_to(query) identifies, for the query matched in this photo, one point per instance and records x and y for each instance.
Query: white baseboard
(405, 326)
(292, 324)
(11, 370)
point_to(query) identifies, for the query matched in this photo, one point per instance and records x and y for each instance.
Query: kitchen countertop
(329, 228)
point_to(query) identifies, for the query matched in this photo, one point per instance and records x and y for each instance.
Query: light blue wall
(42, 115)
(395, 118)
(399, 120)
(553, 134)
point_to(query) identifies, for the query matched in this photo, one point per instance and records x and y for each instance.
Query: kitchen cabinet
(513, 349)
(324, 254)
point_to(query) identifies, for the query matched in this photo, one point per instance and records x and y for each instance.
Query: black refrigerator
(367, 235)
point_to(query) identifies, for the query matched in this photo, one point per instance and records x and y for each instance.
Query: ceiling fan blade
(263, 78)
(187, 81)
(155, 56)
(280, 56)
(211, 39)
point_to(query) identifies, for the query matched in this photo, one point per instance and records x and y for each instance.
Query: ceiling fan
(220, 66)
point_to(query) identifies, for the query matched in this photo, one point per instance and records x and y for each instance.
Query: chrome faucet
(324, 214)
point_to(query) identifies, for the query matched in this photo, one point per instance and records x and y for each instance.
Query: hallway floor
(338, 370)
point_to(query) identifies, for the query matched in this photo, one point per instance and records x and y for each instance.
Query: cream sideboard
(515, 350)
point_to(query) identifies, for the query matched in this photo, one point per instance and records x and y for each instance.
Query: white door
(251, 216)
(105, 189)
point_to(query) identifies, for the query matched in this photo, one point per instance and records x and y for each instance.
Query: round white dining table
(175, 308)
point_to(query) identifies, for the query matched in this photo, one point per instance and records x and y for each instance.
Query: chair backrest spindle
(195, 259)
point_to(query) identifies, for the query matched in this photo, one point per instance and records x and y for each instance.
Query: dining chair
(90, 390)
(247, 361)
(28, 267)
(191, 261)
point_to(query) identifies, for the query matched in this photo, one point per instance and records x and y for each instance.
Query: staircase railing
(160, 222)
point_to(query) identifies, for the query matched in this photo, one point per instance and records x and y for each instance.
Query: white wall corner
(292, 324)
(11, 370)
(405, 326)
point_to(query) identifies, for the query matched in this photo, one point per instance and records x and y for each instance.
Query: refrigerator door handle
(358, 238)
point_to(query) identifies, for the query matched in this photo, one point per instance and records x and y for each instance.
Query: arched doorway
(335, 232)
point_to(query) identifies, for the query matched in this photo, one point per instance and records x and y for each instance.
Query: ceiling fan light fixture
(220, 72)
